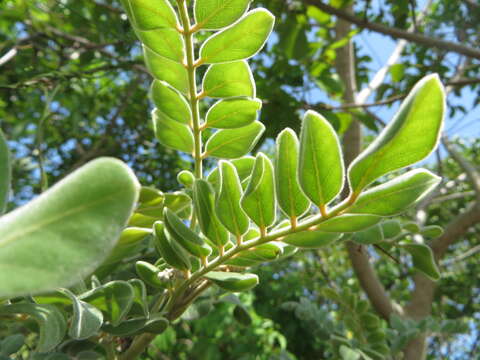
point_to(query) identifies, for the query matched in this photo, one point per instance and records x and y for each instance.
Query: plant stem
(192, 86)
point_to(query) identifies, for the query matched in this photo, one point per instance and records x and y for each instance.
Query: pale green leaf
(259, 198)
(372, 235)
(5, 172)
(232, 281)
(164, 42)
(423, 259)
(184, 236)
(233, 113)
(65, 233)
(291, 198)
(234, 143)
(432, 231)
(151, 14)
(171, 133)
(86, 320)
(348, 223)
(204, 200)
(243, 166)
(127, 245)
(240, 41)
(217, 14)
(186, 178)
(397, 195)
(391, 228)
(410, 137)
(51, 322)
(170, 102)
(229, 80)
(168, 250)
(114, 299)
(228, 207)
(321, 169)
(167, 70)
(311, 239)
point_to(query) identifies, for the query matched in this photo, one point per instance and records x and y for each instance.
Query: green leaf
(185, 237)
(234, 143)
(243, 166)
(259, 198)
(140, 302)
(186, 178)
(391, 228)
(228, 207)
(86, 320)
(232, 281)
(217, 14)
(11, 344)
(229, 80)
(157, 324)
(148, 273)
(171, 133)
(397, 195)
(51, 322)
(410, 137)
(164, 42)
(240, 41)
(321, 169)
(170, 102)
(432, 231)
(127, 245)
(397, 72)
(152, 14)
(412, 227)
(170, 252)
(233, 113)
(311, 239)
(348, 223)
(114, 299)
(126, 328)
(204, 200)
(65, 233)
(167, 70)
(291, 198)
(5, 172)
(372, 235)
(423, 259)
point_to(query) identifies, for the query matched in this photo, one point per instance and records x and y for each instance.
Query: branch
(397, 33)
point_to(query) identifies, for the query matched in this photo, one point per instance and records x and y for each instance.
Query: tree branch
(397, 33)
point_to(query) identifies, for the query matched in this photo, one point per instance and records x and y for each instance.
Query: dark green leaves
(395, 196)
(184, 236)
(233, 113)
(86, 320)
(423, 259)
(259, 198)
(240, 41)
(228, 200)
(216, 14)
(168, 250)
(204, 200)
(234, 143)
(232, 281)
(290, 197)
(52, 324)
(66, 232)
(321, 169)
(170, 102)
(408, 138)
(229, 80)
(5, 172)
(171, 133)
